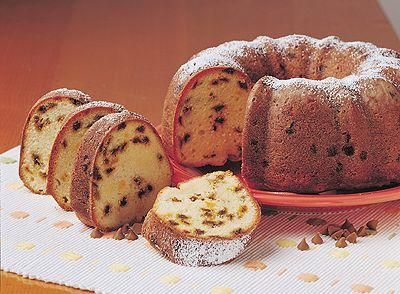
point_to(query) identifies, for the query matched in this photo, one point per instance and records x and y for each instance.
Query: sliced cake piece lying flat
(204, 221)
(66, 145)
(120, 167)
(44, 121)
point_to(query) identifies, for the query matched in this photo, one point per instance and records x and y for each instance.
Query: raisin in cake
(205, 221)
(44, 121)
(120, 167)
(323, 114)
(66, 144)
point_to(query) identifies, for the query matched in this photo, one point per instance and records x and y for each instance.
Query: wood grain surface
(127, 51)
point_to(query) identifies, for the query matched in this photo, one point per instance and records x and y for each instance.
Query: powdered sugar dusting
(95, 104)
(195, 252)
(373, 62)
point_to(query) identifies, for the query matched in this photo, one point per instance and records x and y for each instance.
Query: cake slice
(44, 121)
(204, 221)
(209, 108)
(66, 144)
(120, 167)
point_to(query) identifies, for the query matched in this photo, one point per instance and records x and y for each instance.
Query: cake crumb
(255, 265)
(339, 253)
(361, 288)
(221, 290)
(25, 246)
(63, 224)
(285, 243)
(170, 279)
(308, 277)
(119, 267)
(18, 214)
(391, 263)
(71, 256)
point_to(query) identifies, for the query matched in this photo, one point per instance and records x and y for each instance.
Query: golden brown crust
(81, 111)
(77, 97)
(82, 184)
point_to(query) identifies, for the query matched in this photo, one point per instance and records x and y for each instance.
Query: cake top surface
(216, 205)
(374, 65)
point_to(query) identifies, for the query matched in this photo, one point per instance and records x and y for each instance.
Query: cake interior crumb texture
(215, 205)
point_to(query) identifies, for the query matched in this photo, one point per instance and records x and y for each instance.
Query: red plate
(293, 201)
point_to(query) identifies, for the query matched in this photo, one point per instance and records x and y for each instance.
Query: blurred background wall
(392, 11)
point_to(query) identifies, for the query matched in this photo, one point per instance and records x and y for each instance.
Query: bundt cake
(120, 167)
(66, 144)
(44, 121)
(322, 115)
(205, 221)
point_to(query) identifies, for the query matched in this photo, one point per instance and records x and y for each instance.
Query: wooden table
(127, 51)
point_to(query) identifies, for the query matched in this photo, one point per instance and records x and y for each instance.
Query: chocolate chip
(347, 137)
(229, 70)
(339, 167)
(348, 150)
(313, 149)
(199, 232)
(117, 149)
(107, 209)
(141, 192)
(137, 180)
(109, 170)
(36, 159)
(186, 137)
(65, 199)
(224, 79)
(243, 85)
(219, 120)
(253, 142)
(64, 143)
(214, 82)
(76, 125)
(332, 151)
(180, 120)
(136, 140)
(43, 108)
(123, 201)
(140, 129)
(159, 157)
(186, 109)
(218, 107)
(363, 155)
(290, 130)
(96, 173)
(122, 126)
(149, 188)
(145, 140)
